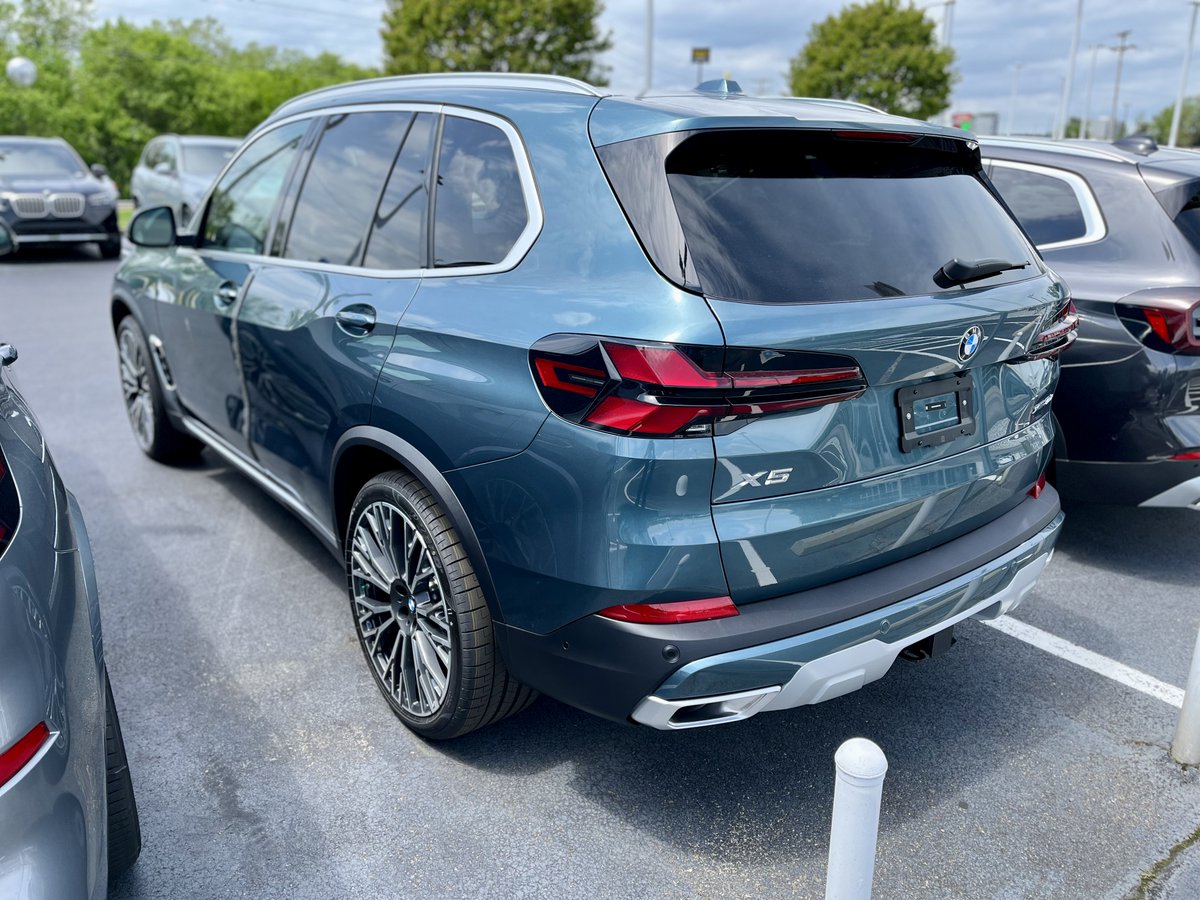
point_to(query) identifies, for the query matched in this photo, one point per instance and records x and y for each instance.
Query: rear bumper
(611, 668)
(833, 661)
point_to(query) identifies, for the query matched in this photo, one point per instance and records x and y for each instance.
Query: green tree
(1189, 124)
(557, 37)
(879, 53)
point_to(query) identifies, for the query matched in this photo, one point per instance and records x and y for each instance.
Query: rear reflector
(674, 612)
(15, 758)
(1038, 486)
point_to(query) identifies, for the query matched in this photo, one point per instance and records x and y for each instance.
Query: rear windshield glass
(794, 215)
(1188, 218)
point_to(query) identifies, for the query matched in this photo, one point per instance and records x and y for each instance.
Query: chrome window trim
(533, 200)
(1094, 227)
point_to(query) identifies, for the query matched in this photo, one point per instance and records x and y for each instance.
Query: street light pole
(1120, 51)
(1012, 109)
(1183, 77)
(649, 48)
(1087, 103)
(1060, 125)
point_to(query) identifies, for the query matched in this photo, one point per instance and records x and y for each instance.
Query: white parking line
(1101, 665)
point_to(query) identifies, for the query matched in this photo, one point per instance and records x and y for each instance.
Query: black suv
(48, 196)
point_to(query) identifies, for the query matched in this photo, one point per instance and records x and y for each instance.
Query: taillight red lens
(1189, 455)
(15, 758)
(1038, 486)
(1164, 319)
(1058, 335)
(664, 390)
(674, 612)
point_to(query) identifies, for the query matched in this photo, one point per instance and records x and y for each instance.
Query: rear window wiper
(964, 271)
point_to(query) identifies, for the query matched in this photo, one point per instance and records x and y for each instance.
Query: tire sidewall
(444, 720)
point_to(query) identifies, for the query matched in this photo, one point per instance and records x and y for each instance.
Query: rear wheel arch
(364, 452)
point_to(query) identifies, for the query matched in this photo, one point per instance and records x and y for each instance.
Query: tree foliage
(879, 53)
(1189, 124)
(556, 37)
(111, 88)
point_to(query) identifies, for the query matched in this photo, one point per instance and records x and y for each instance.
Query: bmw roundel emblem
(970, 342)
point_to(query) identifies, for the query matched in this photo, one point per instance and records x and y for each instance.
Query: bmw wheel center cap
(970, 343)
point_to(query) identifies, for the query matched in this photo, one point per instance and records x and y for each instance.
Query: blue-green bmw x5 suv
(677, 408)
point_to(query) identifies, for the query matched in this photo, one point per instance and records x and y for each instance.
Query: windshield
(206, 159)
(28, 159)
(795, 215)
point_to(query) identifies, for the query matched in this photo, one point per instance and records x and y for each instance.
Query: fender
(429, 475)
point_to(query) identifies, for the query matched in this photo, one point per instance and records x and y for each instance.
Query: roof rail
(467, 80)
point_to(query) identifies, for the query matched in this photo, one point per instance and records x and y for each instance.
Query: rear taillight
(674, 612)
(666, 390)
(1164, 319)
(1188, 455)
(16, 757)
(1058, 335)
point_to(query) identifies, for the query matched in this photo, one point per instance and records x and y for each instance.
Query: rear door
(316, 325)
(890, 400)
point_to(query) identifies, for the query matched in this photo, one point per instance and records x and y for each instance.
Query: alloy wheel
(400, 609)
(135, 383)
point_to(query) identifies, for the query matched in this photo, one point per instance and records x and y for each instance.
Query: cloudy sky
(753, 40)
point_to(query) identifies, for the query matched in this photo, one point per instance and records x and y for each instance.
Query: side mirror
(163, 168)
(99, 171)
(8, 354)
(153, 227)
(8, 241)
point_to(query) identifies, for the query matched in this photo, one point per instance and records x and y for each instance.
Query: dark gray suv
(1121, 224)
(676, 408)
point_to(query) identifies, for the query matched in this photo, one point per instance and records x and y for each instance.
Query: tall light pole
(1012, 108)
(1183, 77)
(1087, 103)
(649, 49)
(1060, 124)
(1120, 51)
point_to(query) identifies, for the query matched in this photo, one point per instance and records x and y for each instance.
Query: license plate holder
(936, 412)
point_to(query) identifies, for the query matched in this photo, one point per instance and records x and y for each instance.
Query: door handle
(356, 320)
(226, 294)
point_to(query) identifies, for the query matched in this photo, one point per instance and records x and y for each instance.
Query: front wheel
(110, 248)
(420, 614)
(143, 392)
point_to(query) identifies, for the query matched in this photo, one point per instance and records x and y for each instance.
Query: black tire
(111, 248)
(477, 688)
(143, 395)
(124, 828)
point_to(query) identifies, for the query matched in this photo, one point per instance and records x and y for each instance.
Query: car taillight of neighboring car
(666, 390)
(1164, 319)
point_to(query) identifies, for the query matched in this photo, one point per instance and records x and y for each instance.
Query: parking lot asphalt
(266, 765)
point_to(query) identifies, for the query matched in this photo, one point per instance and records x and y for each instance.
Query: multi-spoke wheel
(142, 391)
(420, 614)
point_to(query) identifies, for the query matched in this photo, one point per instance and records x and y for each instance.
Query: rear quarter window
(1047, 205)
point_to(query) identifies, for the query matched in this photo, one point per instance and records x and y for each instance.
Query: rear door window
(479, 210)
(800, 215)
(342, 187)
(1046, 204)
(240, 209)
(400, 234)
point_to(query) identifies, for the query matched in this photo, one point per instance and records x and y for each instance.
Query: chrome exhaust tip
(698, 712)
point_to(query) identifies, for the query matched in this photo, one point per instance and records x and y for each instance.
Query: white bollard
(1186, 746)
(857, 792)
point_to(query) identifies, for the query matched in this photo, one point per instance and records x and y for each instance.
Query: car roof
(1163, 165)
(714, 104)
